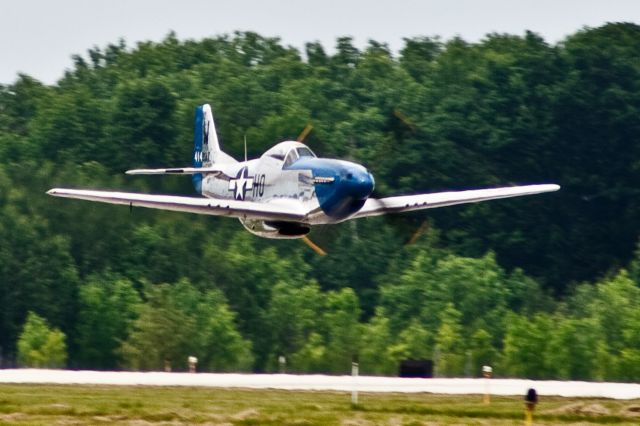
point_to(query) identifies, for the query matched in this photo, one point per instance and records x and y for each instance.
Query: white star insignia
(241, 184)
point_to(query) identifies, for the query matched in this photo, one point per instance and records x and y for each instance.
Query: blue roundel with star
(241, 184)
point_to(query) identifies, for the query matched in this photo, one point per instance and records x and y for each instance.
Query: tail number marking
(202, 156)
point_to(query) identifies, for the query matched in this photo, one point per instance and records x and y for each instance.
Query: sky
(38, 37)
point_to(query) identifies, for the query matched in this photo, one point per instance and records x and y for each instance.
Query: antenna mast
(245, 147)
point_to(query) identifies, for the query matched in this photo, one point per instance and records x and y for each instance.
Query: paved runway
(322, 382)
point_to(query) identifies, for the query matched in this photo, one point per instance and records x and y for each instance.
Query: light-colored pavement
(322, 382)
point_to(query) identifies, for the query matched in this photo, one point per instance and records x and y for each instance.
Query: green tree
(476, 287)
(293, 317)
(418, 56)
(377, 353)
(108, 307)
(414, 342)
(449, 347)
(573, 351)
(628, 365)
(507, 109)
(144, 125)
(162, 332)
(70, 127)
(634, 266)
(483, 352)
(623, 294)
(311, 357)
(596, 109)
(409, 289)
(343, 330)
(220, 346)
(247, 276)
(40, 346)
(339, 270)
(37, 271)
(526, 344)
(178, 321)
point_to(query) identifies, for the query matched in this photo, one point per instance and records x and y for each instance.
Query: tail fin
(206, 149)
(205, 139)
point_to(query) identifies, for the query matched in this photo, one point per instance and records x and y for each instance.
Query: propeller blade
(314, 246)
(406, 120)
(418, 233)
(305, 132)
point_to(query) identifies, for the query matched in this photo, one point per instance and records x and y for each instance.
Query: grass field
(95, 405)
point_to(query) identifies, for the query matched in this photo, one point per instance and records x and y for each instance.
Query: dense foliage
(496, 282)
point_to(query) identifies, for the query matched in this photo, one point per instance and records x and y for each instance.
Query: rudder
(206, 150)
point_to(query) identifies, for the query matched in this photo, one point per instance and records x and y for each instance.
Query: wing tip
(138, 172)
(539, 187)
(145, 171)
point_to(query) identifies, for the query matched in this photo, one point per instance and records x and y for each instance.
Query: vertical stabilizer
(206, 145)
(206, 148)
(209, 136)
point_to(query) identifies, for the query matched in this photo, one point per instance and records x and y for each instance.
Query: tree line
(528, 285)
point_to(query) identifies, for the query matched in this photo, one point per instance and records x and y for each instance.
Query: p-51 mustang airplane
(285, 191)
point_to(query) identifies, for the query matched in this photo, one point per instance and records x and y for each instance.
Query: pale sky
(38, 37)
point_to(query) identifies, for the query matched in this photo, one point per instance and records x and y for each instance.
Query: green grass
(143, 405)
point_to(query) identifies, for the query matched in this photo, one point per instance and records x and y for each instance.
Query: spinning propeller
(301, 137)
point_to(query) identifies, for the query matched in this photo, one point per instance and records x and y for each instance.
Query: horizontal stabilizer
(176, 171)
(211, 206)
(405, 203)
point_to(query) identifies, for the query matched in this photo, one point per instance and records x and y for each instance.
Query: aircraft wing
(211, 206)
(405, 203)
(176, 171)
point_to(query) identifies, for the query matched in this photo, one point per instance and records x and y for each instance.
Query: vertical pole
(487, 393)
(487, 373)
(193, 361)
(530, 401)
(354, 392)
(528, 415)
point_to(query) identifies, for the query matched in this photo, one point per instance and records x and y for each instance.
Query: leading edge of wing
(211, 206)
(405, 203)
(176, 171)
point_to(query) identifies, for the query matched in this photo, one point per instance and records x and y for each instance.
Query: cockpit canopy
(289, 152)
(297, 153)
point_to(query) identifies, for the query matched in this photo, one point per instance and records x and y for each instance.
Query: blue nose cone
(347, 194)
(359, 183)
(346, 190)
